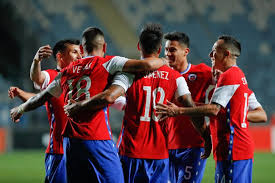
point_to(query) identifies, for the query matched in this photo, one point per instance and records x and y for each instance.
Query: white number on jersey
(80, 90)
(148, 103)
(243, 124)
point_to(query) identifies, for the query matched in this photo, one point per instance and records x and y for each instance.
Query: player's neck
(183, 67)
(153, 55)
(229, 64)
(96, 53)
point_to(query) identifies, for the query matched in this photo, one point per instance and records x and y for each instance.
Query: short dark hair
(90, 34)
(61, 45)
(181, 37)
(150, 38)
(232, 44)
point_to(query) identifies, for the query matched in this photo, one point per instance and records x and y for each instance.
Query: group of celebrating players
(164, 135)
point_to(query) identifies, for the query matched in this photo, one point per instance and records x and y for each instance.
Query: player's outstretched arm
(17, 92)
(99, 101)
(257, 115)
(35, 72)
(171, 110)
(31, 104)
(148, 64)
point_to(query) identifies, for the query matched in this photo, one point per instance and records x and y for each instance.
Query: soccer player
(90, 153)
(185, 143)
(143, 138)
(232, 143)
(64, 52)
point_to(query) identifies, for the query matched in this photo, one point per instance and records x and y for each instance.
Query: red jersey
(56, 116)
(182, 133)
(81, 80)
(143, 135)
(229, 129)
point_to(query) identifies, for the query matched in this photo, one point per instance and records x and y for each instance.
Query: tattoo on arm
(37, 100)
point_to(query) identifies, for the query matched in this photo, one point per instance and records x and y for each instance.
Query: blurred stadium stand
(28, 24)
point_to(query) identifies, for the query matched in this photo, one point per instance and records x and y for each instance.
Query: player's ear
(138, 46)
(187, 50)
(59, 56)
(81, 49)
(104, 47)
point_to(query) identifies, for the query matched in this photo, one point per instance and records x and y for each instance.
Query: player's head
(93, 42)
(150, 40)
(177, 49)
(224, 52)
(66, 51)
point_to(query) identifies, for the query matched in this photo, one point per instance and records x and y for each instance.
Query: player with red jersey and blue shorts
(64, 52)
(143, 139)
(185, 143)
(90, 154)
(232, 143)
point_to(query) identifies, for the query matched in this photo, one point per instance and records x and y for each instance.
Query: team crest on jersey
(192, 77)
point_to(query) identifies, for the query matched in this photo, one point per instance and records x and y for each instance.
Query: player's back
(142, 134)
(81, 80)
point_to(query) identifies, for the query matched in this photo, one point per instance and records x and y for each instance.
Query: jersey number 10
(149, 95)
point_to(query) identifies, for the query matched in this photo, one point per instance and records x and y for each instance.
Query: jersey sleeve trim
(253, 102)
(182, 88)
(115, 64)
(125, 80)
(223, 94)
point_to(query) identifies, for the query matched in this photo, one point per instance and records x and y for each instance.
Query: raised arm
(17, 92)
(36, 75)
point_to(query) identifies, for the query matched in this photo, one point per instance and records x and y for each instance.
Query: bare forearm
(103, 99)
(148, 64)
(35, 73)
(205, 110)
(257, 116)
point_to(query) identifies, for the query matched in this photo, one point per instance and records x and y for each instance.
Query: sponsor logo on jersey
(192, 77)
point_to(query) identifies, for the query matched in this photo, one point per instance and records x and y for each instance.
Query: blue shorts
(185, 165)
(55, 168)
(92, 161)
(145, 170)
(234, 171)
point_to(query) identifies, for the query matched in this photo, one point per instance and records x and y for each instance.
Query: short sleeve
(125, 80)
(45, 83)
(54, 87)
(182, 88)
(115, 64)
(224, 90)
(253, 102)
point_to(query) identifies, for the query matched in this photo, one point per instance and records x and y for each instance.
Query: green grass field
(28, 167)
